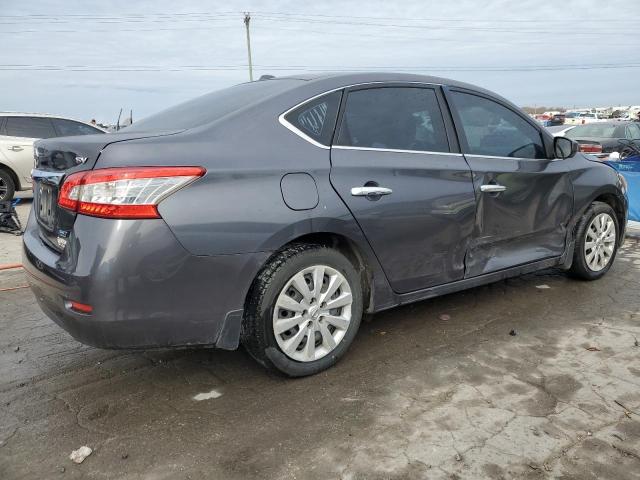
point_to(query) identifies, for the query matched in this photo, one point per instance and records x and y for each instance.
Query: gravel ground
(437, 390)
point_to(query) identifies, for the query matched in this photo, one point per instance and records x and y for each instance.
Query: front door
(524, 199)
(393, 166)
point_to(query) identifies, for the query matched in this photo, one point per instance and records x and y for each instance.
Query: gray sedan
(275, 213)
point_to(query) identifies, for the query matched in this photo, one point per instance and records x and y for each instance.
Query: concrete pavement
(437, 390)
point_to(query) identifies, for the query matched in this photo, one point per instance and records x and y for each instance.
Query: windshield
(597, 130)
(212, 106)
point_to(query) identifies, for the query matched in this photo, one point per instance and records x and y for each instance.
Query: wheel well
(611, 200)
(12, 174)
(350, 250)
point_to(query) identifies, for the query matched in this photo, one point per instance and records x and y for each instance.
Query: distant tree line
(543, 109)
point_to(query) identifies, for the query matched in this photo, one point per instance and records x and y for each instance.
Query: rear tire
(596, 242)
(294, 327)
(7, 186)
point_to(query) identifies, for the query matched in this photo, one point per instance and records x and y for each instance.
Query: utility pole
(247, 20)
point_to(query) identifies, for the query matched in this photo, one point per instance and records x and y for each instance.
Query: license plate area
(46, 205)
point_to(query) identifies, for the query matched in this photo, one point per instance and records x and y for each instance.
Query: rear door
(396, 164)
(19, 133)
(524, 199)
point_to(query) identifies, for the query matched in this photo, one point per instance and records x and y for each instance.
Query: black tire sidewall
(580, 267)
(322, 256)
(11, 188)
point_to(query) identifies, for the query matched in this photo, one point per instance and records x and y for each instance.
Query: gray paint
(183, 279)
(421, 231)
(299, 191)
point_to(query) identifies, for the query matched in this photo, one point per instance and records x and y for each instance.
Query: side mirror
(564, 147)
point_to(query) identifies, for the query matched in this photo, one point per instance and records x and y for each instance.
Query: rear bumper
(146, 290)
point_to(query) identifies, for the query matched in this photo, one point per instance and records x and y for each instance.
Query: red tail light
(591, 148)
(124, 192)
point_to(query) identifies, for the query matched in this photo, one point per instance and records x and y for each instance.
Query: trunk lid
(57, 158)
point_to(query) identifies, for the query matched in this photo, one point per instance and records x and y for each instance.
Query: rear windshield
(212, 106)
(594, 130)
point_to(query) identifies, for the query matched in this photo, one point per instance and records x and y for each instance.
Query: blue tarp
(630, 170)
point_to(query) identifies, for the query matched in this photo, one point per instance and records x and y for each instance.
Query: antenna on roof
(267, 77)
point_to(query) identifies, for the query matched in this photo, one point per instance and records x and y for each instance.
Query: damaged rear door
(524, 199)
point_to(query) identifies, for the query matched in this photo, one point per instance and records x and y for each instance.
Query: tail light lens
(591, 148)
(124, 192)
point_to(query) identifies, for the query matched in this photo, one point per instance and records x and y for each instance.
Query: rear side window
(29, 127)
(493, 130)
(317, 118)
(397, 118)
(68, 128)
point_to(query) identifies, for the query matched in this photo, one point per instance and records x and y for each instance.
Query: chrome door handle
(16, 148)
(370, 191)
(492, 188)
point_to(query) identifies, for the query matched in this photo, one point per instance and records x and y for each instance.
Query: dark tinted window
(400, 118)
(317, 118)
(30, 127)
(212, 106)
(493, 130)
(68, 128)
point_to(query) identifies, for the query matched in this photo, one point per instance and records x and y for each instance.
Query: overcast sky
(88, 59)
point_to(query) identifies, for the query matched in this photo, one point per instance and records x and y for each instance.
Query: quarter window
(317, 118)
(398, 118)
(29, 127)
(493, 130)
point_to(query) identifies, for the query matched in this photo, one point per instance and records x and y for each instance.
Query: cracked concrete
(436, 396)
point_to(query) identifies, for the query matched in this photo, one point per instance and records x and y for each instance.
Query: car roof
(27, 114)
(327, 81)
(342, 79)
(40, 115)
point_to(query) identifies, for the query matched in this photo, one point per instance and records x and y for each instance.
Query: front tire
(303, 310)
(596, 242)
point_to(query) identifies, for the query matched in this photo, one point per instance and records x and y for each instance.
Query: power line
(415, 27)
(397, 25)
(308, 68)
(449, 19)
(38, 17)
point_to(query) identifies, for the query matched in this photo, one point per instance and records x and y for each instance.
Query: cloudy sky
(89, 59)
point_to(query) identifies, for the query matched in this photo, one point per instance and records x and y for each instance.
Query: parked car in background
(601, 139)
(554, 120)
(275, 213)
(583, 118)
(18, 131)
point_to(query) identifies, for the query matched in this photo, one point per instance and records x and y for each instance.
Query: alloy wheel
(312, 313)
(600, 242)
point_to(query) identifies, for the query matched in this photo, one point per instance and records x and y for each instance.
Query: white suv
(18, 131)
